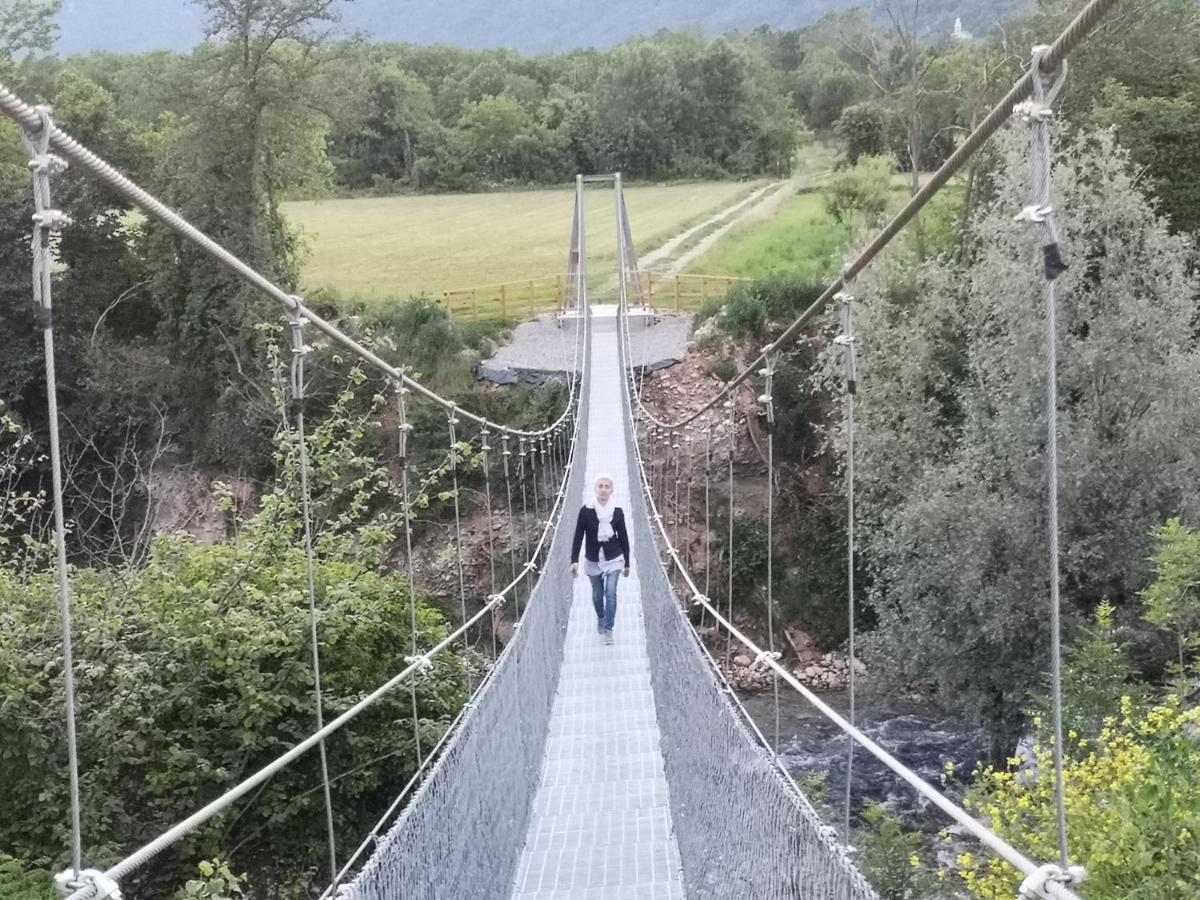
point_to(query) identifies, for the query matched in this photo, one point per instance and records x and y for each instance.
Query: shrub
(1133, 809)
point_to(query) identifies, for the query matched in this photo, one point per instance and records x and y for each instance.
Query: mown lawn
(399, 246)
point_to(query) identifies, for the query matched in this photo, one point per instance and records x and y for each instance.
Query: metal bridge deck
(601, 823)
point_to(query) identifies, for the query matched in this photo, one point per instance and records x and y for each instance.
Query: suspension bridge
(578, 769)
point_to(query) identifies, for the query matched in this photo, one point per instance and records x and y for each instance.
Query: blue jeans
(604, 598)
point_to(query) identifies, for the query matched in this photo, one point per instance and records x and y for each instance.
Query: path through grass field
(398, 246)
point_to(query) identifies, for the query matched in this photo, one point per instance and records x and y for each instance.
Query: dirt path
(668, 257)
(766, 202)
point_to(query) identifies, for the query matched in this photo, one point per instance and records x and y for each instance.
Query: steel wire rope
(1040, 212)
(1074, 33)
(768, 400)
(1049, 881)
(505, 453)
(299, 393)
(846, 338)
(452, 425)
(485, 451)
(731, 403)
(524, 496)
(36, 134)
(403, 429)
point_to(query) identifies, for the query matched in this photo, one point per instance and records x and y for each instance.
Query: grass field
(399, 246)
(799, 238)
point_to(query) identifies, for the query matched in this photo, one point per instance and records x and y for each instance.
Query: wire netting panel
(461, 836)
(742, 830)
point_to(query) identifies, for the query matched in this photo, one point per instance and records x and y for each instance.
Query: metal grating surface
(601, 824)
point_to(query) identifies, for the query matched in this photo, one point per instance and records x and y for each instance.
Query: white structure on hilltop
(959, 34)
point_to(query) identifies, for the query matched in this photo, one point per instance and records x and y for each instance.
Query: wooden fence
(525, 299)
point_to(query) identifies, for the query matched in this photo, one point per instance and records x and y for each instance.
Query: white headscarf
(604, 512)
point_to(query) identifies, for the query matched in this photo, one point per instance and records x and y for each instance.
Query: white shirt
(604, 566)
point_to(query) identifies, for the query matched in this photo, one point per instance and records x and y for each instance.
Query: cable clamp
(531, 566)
(497, 600)
(843, 297)
(1034, 214)
(765, 399)
(103, 887)
(844, 340)
(766, 655)
(52, 219)
(47, 164)
(422, 662)
(700, 600)
(1034, 113)
(1037, 884)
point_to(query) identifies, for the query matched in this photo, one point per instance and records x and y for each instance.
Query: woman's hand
(574, 570)
(626, 572)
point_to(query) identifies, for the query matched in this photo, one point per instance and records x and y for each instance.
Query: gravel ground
(546, 346)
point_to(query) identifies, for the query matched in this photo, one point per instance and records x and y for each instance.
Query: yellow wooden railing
(684, 292)
(515, 299)
(528, 297)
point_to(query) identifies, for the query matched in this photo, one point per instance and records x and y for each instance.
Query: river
(921, 737)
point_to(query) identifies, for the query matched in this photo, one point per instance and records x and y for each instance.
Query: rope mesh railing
(742, 827)
(462, 833)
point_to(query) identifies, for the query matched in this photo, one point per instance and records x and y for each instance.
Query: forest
(172, 381)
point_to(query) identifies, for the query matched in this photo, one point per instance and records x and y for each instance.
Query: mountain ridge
(529, 26)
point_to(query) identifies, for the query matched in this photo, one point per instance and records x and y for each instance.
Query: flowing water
(921, 737)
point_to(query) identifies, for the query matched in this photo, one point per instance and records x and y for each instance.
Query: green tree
(952, 431)
(28, 25)
(1162, 135)
(252, 134)
(862, 191)
(1173, 599)
(194, 672)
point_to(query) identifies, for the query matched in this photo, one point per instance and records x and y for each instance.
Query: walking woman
(601, 529)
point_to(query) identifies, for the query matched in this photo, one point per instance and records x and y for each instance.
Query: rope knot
(700, 600)
(102, 887)
(1037, 885)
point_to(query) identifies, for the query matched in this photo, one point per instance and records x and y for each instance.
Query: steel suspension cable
(452, 424)
(846, 338)
(299, 395)
(47, 221)
(485, 451)
(403, 429)
(768, 400)
(1041, 214)
(524, 498)
(707, 518)
(732, 405)
(505, 453)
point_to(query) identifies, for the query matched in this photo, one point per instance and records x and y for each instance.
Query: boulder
(741, 660)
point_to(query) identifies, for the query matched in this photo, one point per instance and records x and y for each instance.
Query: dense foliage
(195, 672)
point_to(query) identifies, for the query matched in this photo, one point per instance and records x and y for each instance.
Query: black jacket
(588, 524)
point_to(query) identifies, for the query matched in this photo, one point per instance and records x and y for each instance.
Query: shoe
(608, 637)
(599, 626)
